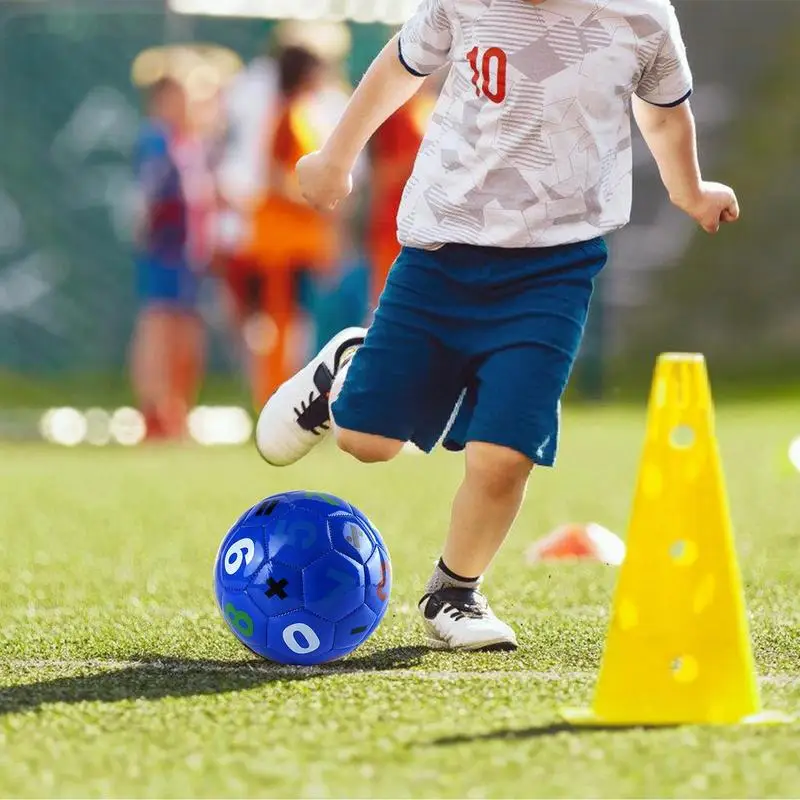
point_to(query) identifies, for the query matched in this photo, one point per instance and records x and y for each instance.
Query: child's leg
(365, 447)
(172, 408)
(509, 423)
(529, 317)
(273, 366)
(150, 368)
(188, 362)
(456, 614)
(240, 293)
(485, 507)
(402, 382)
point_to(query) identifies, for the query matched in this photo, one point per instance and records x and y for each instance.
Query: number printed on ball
(302, 578)
(240, 620)
(306, 631)
(241, 551)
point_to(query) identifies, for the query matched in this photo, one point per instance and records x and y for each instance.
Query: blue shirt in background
(165, 230)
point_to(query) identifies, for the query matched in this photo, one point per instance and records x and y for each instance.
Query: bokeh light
(65, 426)
(794, 453)
(220, 425)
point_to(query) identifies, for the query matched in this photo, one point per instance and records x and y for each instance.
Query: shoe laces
(459, 603)
(314, 415)
(453, 612)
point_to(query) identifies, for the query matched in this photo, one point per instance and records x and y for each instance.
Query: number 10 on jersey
(489, 72)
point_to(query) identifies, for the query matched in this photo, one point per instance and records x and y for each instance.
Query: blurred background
(159, 274)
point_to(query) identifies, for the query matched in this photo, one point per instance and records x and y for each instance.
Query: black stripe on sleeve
(406, 64)
(672, 105)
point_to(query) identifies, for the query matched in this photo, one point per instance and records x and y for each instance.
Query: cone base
(586, 718)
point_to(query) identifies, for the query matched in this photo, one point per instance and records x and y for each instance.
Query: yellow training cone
(678, 648)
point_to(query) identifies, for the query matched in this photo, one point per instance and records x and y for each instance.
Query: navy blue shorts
(473, 344)
(175, 286)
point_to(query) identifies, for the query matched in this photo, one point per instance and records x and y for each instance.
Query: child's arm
(325, 176)
(670, 135)
(424, 44)
(665, 119)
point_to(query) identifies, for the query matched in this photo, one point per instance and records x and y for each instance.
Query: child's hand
(322, 183)
(714, 204)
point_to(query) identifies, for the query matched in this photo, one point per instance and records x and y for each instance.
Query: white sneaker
(297, 416)
(460, 619)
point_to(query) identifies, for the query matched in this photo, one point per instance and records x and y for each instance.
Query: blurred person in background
(170, 253)
(393, 151)
(289, 242)
(197, 152)
(249, 108)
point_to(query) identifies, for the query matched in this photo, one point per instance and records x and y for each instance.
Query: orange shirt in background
(289, 234)
(394, 150)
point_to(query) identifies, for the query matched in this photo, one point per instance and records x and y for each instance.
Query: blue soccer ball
(302, 578)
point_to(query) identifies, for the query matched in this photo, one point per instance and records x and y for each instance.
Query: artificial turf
(119, 679)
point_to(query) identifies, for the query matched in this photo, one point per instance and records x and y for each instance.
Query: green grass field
(118, 678)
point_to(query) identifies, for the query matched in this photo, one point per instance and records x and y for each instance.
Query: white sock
(444, 578)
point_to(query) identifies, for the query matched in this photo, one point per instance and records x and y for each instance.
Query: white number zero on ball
(240, 550)
(291, 642)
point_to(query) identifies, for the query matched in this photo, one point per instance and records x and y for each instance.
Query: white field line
(544, 676)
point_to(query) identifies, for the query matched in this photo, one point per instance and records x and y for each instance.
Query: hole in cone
(683, 552)
(682, 437)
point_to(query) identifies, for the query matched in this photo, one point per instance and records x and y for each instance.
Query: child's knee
(497, 470)
(366, 447)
